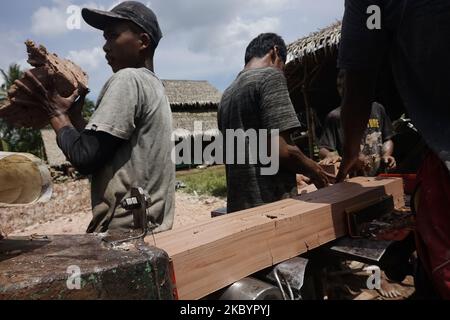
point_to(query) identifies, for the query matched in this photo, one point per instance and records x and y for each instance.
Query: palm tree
(3, 93)
(14, 73)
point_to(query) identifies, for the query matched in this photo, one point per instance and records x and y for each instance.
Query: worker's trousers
(433, 223)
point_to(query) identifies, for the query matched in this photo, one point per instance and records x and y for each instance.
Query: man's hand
(77, 107)
(76, 112)
(54, 104)
(389, 162)
(362, 165)
(293, 159)
(348, 163)
(315, 172)
(331, 158)
(303, 180)
(355, 166)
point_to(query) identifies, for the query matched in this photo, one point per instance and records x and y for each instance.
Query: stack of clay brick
(48, 68)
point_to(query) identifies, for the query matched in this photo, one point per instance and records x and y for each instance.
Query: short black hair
(262, 44)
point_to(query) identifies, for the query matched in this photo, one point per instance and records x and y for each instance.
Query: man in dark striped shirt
(259, 99)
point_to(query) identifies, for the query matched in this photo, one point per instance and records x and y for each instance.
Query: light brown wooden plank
(212, 255)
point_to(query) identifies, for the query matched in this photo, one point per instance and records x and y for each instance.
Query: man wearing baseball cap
(127, 143)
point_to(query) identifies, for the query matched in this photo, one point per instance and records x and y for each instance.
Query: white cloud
(239, 32)
(52, 21)
(268, 5)
(88, 59)
(13, 49)
(203, 39)
(210, 54)
(24, 65)
(212, 35)
(226, 44)
(49, 22)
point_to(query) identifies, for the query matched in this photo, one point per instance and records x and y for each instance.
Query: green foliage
(88, 109)
(18, 139)
(210, 181)
(3, 93)
(4, 146)
(11, 75)
(21, 140)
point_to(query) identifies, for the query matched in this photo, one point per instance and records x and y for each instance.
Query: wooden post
(309, 112)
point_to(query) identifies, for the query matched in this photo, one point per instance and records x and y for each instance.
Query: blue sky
(203, 40)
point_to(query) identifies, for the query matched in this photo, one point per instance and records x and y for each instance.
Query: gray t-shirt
(257, 99)
(133, 107)
(414, 35)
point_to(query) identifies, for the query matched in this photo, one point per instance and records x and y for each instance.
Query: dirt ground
(69, 212)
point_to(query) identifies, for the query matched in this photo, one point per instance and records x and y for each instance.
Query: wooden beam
(212, 255)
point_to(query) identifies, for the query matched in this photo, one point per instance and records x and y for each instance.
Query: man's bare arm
(388, 152)
(357, 105)
(329, 157)
(294, 160)
(388, 148)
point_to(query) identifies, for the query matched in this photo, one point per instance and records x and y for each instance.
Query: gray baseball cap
(133, 11)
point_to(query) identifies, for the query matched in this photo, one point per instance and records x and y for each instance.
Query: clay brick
(67, 77)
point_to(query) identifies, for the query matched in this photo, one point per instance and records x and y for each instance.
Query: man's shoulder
(250, 82)
(378, 109)
(334, 115)
(135, 74)
(268, 73)
(260, 74)
(127, 73)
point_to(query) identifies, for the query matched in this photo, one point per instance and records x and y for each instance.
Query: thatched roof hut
(193, 101)
(317, 45)
(191, 94)
(311, 71)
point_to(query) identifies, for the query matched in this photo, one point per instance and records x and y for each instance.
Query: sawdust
(66, 212)
(69, 212)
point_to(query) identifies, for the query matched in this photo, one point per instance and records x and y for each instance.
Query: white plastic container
(24, 180)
